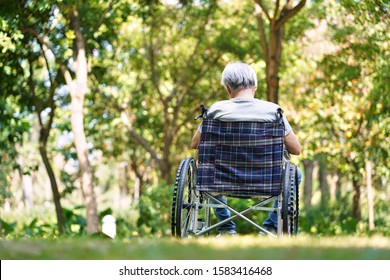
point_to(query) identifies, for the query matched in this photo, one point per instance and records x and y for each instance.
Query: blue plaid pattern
(240, 158)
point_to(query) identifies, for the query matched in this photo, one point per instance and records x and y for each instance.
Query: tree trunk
(335, 186)
(272, 46)
(165, 163)
(370, 195)
(135, 192)
(27, 190)
(78, 89)
(54, 187)
(272, 67)
(323, 183)
(308, 182)
(140, 178)
(356, 212)
(124, 197)
(385, 183)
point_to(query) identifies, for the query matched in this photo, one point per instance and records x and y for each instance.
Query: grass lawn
(206, 248)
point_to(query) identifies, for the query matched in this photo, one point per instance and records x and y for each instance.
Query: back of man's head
(238, 76)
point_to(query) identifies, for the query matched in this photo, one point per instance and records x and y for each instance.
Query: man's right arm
(195, 140)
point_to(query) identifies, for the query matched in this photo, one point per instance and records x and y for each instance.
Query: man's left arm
(292, 143)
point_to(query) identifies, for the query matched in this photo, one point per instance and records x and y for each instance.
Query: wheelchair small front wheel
(182, 204)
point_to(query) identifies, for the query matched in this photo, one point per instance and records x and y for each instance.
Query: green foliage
(69, 183)
(242, 226)
(339, 221)
(13, 126)
(8, 228)
(30, 228)
(40, 225)
(38, 229)
(155, 211)
(75, 222)
(126, 227)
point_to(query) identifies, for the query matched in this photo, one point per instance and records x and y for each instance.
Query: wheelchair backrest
(241, 158)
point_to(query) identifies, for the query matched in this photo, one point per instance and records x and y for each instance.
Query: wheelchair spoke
(185, 223)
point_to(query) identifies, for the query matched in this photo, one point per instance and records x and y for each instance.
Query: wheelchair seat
(239, 159)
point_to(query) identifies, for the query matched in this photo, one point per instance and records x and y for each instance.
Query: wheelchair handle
(204, 112)
(279, 116)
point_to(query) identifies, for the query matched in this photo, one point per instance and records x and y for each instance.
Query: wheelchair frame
(191, 208)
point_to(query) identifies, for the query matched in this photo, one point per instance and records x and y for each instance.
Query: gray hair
(238, 76)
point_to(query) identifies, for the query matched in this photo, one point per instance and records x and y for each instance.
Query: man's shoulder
(266, 103)
(219, 106)
(238, 104)
(255, 101)
(220, 103)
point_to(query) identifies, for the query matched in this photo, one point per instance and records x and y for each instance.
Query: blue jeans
(272, 220)
(222, 214)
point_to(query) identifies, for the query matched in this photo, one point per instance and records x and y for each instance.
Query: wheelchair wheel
(183, 193)
(290, 203)
(174, 201)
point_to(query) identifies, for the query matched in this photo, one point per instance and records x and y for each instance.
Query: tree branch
(190, 59)
(38, 107)
(152, 61)
(276, 8)
(50, 101)
(289, 12)
(43, 49)
(102, 16)
(127, 122)
(52, 105)
(263, 37)
(43, 40)
(264, 9)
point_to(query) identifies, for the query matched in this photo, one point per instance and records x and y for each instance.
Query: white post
(109, 226)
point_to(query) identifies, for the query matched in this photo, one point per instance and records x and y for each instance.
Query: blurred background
(98, 99)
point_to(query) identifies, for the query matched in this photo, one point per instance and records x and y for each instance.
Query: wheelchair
(236, 159)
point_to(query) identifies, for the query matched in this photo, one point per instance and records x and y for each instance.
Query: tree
(40, 105)
(271, 44)
(32, 94)
(67, 30)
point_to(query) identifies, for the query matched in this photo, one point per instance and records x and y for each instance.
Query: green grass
(232, 248)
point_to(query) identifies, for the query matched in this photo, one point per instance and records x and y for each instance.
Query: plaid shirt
(240, 158)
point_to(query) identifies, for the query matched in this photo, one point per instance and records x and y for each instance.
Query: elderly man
(240, 82)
